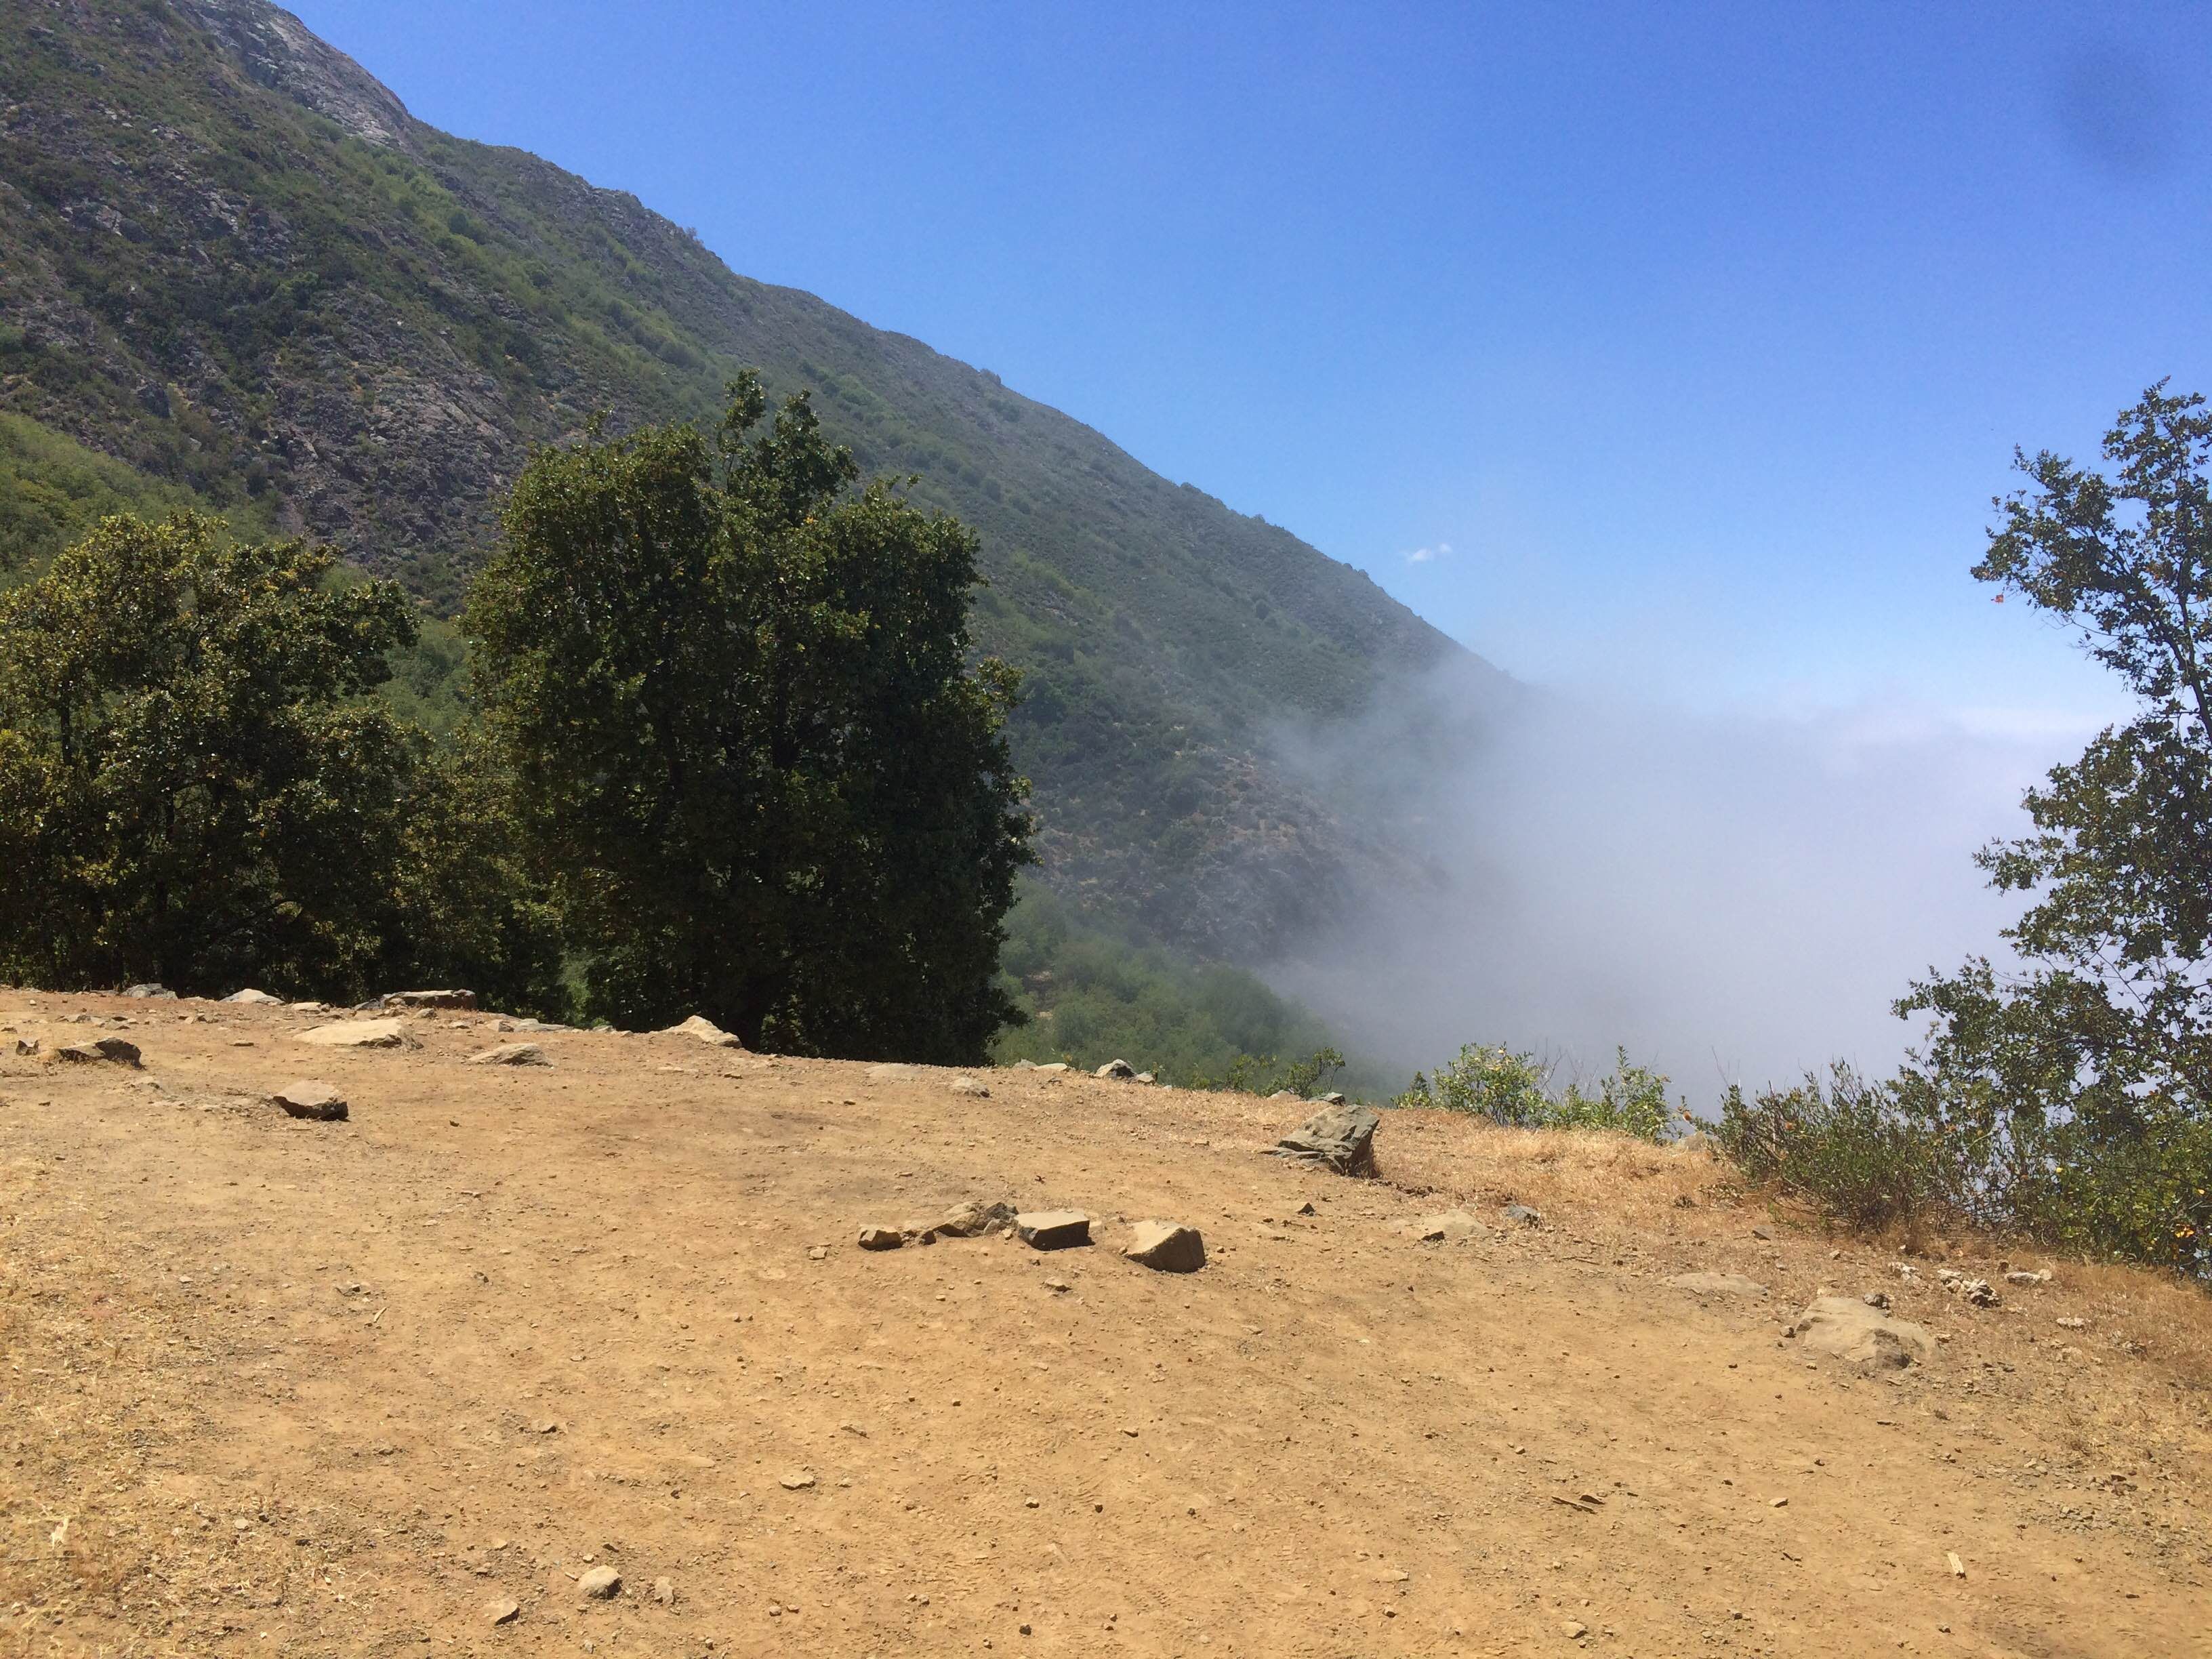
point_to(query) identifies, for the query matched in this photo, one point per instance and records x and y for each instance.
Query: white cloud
(1429, 555)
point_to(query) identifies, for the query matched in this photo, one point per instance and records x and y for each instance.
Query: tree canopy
(195, 789)
(2087, 1072)
(765, 780)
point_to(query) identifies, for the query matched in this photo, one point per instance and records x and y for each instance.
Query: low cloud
(1429, 555)
(1731, 897)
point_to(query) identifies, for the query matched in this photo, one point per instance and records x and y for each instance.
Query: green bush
(1850, 1147)
(1515, 1089)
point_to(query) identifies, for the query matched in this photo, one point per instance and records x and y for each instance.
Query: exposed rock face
(1850, 1330)
(1165, 1247)
(276, 49)
(1341, 1138)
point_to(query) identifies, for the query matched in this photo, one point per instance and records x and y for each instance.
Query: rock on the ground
(1522, 1215)
(664, 1591)
(1713, 1283)
(1053, 1229)
(600, 1584)
(796, 1480)
(320, 1103)
(255, 999)
(973, 1219)
(1165, 1247)
(1115, 1068)
(891, 1072)
(1847, 1330)
(1451, 1224)
(511, 1054)
(1146, 1077)
(1331, 1099)
(505, 1610)
(1051, 1068)
(1341, 1137)
(114, 1050)
(357, 1034)
(881, 1238)
(151, 991)
(2021, 1276)
(27, 1045)
(969, 1086)
(465, 999)
(706, 1031)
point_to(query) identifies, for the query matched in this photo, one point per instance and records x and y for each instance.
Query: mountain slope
(230, 258)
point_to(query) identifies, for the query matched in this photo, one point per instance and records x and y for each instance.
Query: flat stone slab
(357, 1034)
(461, 1000)
(1165, 1247)
(511, 1054)
(1712, 1284)
(113, 1051)
(320, 1103)
(1053, 1229)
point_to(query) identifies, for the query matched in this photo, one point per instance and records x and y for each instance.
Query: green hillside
(230, 259)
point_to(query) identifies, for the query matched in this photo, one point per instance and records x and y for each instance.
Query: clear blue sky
(1699, 334)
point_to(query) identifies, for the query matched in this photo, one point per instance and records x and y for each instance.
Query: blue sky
(1699, 335)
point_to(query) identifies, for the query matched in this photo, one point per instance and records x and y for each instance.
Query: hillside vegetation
(231, 259)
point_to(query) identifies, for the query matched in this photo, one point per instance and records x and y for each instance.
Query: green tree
(195, 789)
(2086, 1074)
(750, 749)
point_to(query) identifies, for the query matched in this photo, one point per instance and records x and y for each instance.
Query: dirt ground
(279, 1388)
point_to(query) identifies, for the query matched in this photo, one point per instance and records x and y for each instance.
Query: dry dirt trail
(281, 1387)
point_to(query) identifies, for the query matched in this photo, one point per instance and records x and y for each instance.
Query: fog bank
(1731, 897)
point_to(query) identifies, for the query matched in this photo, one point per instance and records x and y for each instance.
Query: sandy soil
(276, 1388)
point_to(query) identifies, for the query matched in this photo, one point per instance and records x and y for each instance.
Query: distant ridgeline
(231, 260)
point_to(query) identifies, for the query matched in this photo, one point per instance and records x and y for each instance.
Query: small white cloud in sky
(1429, 555)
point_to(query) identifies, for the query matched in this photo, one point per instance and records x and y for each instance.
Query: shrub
(1514, 1089)
(1849, 1147)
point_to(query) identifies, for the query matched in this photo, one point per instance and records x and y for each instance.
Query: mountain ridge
(229, 256)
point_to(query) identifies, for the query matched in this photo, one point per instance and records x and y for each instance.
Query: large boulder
(255, 999)
(1342, 1137)
(1845, 1328)
(357, 1034)
(151, 991)
(1115, 1068)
